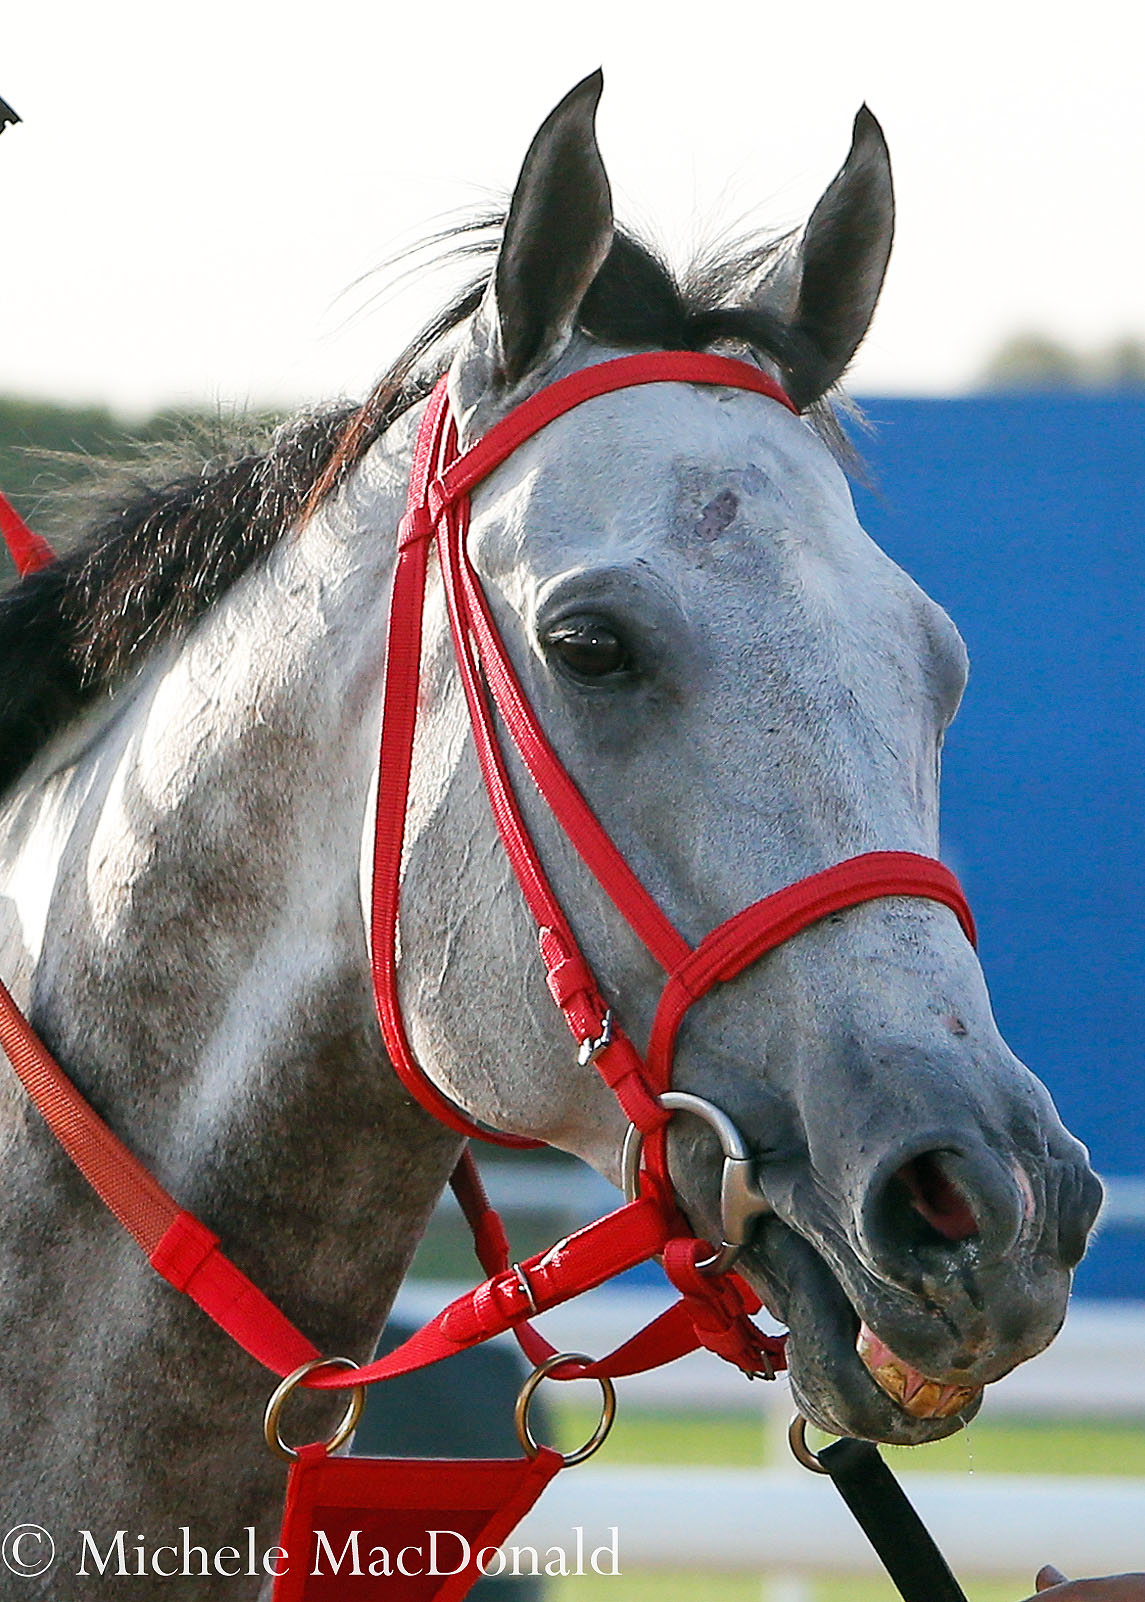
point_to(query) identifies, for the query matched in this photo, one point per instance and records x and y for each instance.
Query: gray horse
(746, 689)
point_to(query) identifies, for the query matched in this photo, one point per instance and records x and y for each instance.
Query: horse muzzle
(958, 1270)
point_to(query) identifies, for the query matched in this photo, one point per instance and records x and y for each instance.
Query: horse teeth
(892, 1379)
(915, 1385)
(957, 1397)
(914, 1392)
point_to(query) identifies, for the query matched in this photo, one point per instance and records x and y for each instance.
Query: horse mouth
(845, 1378)
(913, 1391)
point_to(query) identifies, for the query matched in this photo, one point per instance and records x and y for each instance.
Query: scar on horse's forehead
(717, 514)
(710, 500)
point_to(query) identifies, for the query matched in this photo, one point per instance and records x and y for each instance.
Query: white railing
(578, 1193)
(748, 1520)
(785, 1520)
(1096, 1367)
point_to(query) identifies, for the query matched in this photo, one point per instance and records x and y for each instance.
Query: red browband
(713, 1310)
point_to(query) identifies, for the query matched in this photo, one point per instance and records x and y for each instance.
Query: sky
(195, 205)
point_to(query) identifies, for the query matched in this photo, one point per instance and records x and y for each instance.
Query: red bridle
(441, 483)
(713, 1309)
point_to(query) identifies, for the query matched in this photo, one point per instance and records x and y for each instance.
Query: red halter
(713, 1308)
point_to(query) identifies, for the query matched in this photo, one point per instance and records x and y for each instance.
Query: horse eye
(588, 647)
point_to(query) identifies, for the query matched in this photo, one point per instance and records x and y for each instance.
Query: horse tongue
(915, 1394)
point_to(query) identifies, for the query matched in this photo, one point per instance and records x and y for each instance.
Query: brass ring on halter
(525, 1435)
(278, 1401)
(802, 1453)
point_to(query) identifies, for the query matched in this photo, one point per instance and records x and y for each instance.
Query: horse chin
(831, 1383)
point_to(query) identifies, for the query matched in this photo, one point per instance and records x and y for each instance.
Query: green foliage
(1029, 1446)
(741, 1440)
(1034, 361)
(47, 451)
(721, 1440)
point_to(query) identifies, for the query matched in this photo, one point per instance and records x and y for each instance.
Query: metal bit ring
(800, 1451)
(741, 1203)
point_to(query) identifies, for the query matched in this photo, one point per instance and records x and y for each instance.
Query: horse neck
(202, 969)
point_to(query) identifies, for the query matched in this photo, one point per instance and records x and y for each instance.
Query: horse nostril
(936, 1198)
(954, 1197)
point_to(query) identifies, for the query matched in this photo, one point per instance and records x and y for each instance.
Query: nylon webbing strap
(774, 920)
(603, 378)
(902, 1541)
(400, 689)
(120, 1180)
(189, 1257)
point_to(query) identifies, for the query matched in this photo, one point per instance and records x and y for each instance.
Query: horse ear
(557, 235)
(827, 286)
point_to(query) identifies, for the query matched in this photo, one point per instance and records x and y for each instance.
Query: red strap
(623, 372)
(573, 813)
(719, 1308)
(28, 550)
(122, 1183)
(188, 1255)
(490, 1243)
(189, 1258)
(401, 682)
(579, 998)
(682, 1329)
(768, 923)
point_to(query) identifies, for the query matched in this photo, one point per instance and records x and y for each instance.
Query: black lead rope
(904, 1544)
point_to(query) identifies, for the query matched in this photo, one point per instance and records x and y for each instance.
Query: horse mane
(154, 559)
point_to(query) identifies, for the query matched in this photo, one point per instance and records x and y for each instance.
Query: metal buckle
(767, 1372)
(591, 1049)
(523, 1281)
(741, 1200)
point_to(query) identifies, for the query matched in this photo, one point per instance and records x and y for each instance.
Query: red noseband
(438, 507)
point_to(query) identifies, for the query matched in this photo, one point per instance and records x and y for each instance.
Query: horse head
(746, 690)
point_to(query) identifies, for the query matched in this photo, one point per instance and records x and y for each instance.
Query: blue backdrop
(1025, 517)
